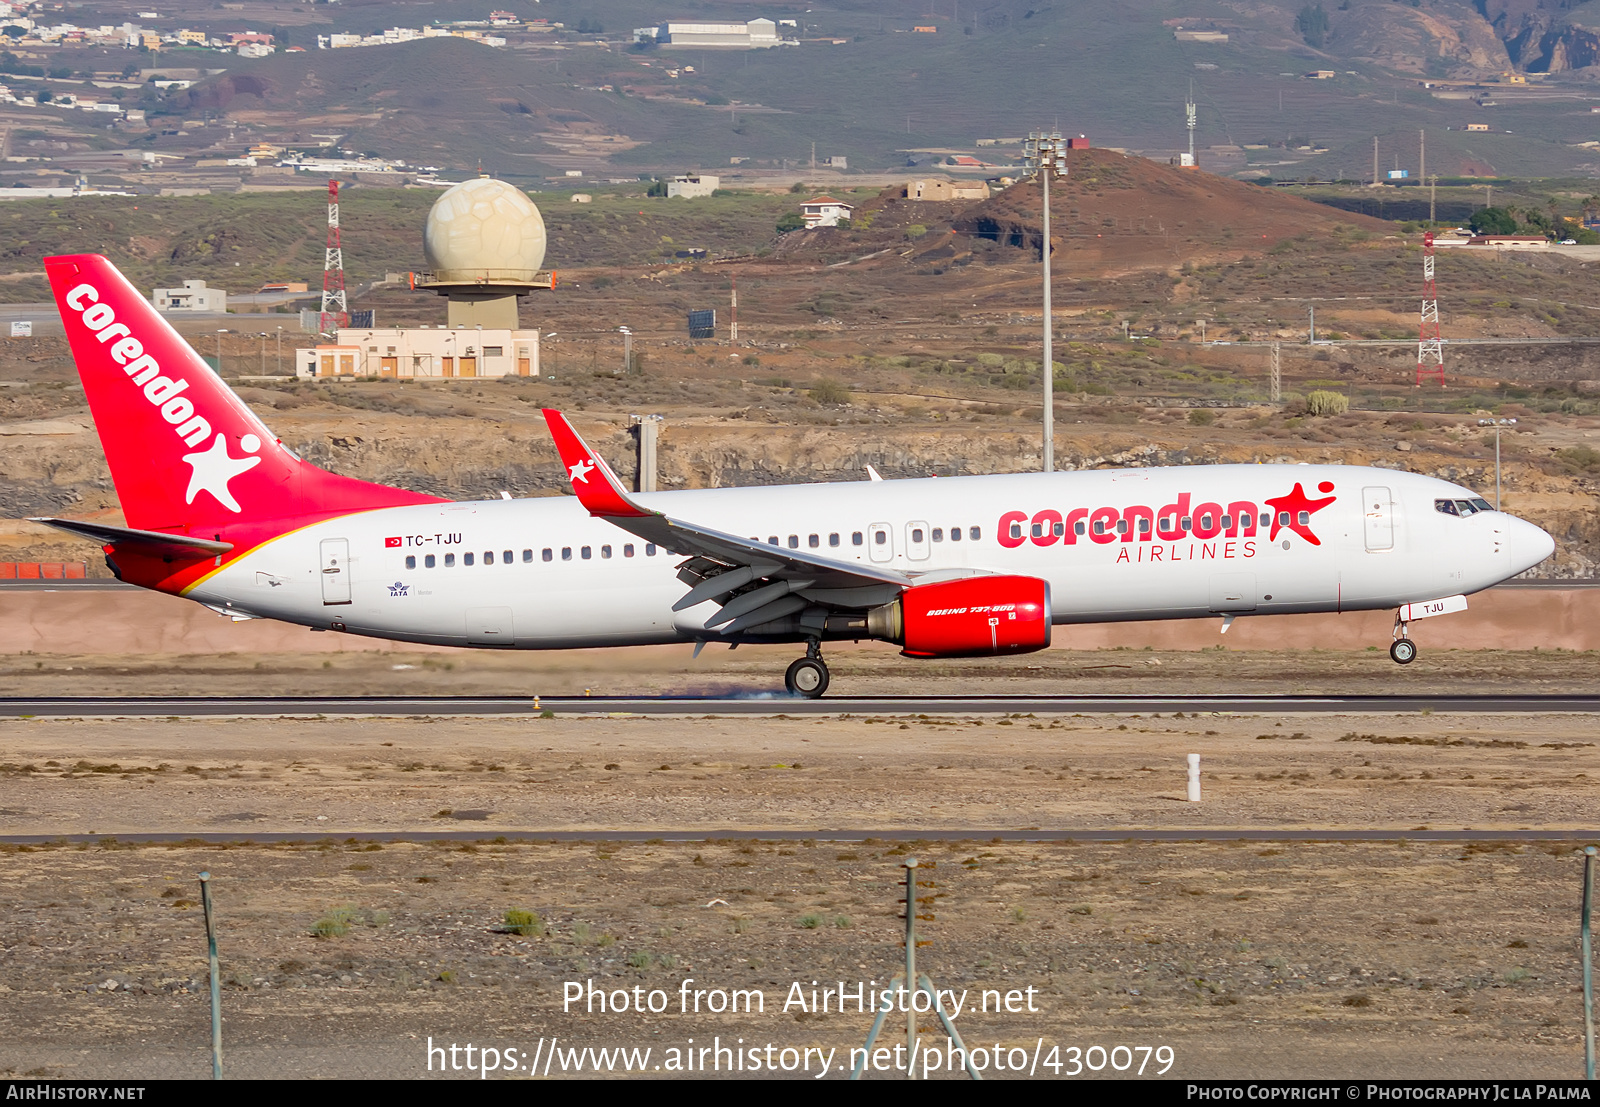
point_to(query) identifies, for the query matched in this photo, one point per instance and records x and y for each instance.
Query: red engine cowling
(971, 617)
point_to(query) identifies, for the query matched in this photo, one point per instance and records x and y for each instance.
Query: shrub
(525, 923)
(790, 221)
(1327, 403)
(335, 924)
(810, 922)
(916, 230)
(827, 391)
(1202, 418)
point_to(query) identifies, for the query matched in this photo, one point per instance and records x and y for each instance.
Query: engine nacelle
(971, 617)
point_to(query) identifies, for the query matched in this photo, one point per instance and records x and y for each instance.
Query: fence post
(1588, 964)
(216, 983)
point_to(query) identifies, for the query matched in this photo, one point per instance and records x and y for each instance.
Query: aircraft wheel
(807, 677)
(1404, 651)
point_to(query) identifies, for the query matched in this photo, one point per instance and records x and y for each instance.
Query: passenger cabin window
(411, 561)
(649, 549)
(1266, 518)
(938, 534)
(586, 552)
(1016, 530)
(1227, 522)
(833, 539)
(772, 540)
(1283, 518)
(916, 534)
(975, 533)
(1038, 530)
(507, 559)
(527, 555)
(566, 553)
(1305, 517)
(488, 557)
(427, 561)
(627, 550)
(466, 559)
(813, 540)
(450, 560)
(955, 534)
(855, 538)
(1099, 526)
(880, 536)
(605, 551)
(1122, 526)
(547, 554)
(1144, 526)
(1078, 528)
(1187, 523)
(794, 541)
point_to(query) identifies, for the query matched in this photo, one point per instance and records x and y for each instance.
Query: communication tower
(1188, 109)
(1430, 347)
(335, 309)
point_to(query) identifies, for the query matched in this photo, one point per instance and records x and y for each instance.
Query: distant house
(193, 296)
(966, 161)
(1477, 126)
(938, 190)
(1199, 36)
(690, 186)
(1079, 143)
(1510, 241)
(925, 30)
(1321, 75)
(825, 211)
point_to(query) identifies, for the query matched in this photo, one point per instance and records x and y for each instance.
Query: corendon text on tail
(220, 512)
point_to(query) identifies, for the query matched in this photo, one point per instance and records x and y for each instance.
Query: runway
(774, 704)
(962, 834)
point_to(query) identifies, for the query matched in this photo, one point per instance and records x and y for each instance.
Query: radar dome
(484, 230)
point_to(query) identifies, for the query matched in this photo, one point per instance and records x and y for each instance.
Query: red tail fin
(184, 451)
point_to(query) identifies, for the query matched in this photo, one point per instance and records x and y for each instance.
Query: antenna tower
(333, 271)
(1430, 348)
(1188, 108)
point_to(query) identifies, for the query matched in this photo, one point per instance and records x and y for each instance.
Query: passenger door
(335, 571)
(1379, 511)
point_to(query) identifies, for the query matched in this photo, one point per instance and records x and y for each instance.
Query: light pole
(1047, 154)
(280, 351)
(1497, 424)
(220, 333)
(627, 349)
(263, 353)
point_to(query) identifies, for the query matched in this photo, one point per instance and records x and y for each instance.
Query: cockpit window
(1445, 507)
(1482, 505)
(1466, 507)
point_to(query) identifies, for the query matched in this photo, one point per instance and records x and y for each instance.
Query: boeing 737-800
(219, 511)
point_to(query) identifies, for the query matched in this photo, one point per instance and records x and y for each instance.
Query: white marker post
(1194, 778)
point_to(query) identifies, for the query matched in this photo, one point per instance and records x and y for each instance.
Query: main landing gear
(808, 676)
(1403, 650)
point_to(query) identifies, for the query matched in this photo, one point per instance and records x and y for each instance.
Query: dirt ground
(1291, 959)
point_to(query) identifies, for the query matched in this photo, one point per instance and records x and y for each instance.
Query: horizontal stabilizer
(153, 542)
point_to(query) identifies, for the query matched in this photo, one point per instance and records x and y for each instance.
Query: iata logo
(399, 589)
(1177, 531)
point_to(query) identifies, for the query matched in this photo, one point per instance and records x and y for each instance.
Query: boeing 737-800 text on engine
(218, 510)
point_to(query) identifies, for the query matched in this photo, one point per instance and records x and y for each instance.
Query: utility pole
(280, 351)
(1311, 335)
(1374, 161)
(1047, 153)
(1422, 155)
(1277, 373)
(1188, 108)
(1433, 190)
(733, 331)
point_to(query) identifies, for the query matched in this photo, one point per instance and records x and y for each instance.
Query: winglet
(604, 497)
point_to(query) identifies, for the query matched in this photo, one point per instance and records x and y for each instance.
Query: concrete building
(758, 34)
(1510, 241)
(937, 189)
(689, 186)
(193, 296)
(423, 353)
(825, 211)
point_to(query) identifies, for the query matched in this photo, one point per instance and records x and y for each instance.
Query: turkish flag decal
(391, 543)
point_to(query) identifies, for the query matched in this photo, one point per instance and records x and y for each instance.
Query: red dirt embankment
(134, 623)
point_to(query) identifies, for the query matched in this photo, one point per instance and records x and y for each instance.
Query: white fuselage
(572, 580)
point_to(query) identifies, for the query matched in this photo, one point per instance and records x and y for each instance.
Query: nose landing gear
(808, 676)
(1403, 650)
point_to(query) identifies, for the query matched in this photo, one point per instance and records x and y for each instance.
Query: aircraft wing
(719, 563)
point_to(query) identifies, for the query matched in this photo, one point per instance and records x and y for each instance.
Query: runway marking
(765, 704)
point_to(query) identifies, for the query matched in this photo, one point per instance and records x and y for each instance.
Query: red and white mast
(1430, 348)
(335, 310)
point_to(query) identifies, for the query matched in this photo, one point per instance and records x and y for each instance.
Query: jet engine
(972, 617)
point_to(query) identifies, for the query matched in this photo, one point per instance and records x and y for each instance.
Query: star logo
(581, 471)
(1294, 503)
(213, 469)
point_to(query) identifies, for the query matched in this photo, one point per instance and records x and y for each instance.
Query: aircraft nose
(1527, 544)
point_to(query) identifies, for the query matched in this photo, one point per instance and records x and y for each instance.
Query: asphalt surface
(760, 834)
(774, 704)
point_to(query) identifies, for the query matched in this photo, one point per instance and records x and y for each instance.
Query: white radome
(484, 229)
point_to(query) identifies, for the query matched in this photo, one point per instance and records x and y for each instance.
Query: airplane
(220, 511)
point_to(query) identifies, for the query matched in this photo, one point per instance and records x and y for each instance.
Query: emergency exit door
(335, 571)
